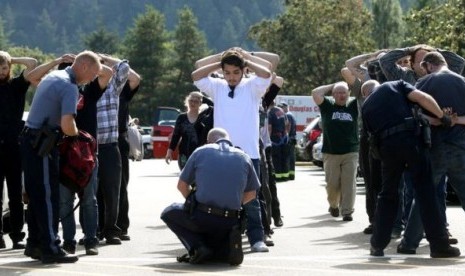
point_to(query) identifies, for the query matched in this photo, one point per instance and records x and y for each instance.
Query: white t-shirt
(239, 115)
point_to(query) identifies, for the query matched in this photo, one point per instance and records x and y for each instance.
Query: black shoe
(69, 247)
(449, 252)
(396, 233)
(2, 242)
(452, 240)
(81, 241)
(61, 257)
(236, 255)
(201, 254)
(268, 241)
(377, 252)
(347, 218)
(33, 252)
(124, 237)
(184, 258)
(368, 230)
(113, 240)
(18, 245)
(334, 211)
(278, 222)
(402, 250)
(91, 250)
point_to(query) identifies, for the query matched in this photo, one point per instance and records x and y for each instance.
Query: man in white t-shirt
(237, 99)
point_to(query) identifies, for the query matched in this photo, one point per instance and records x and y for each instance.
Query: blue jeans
(255, 231)
(88, 211)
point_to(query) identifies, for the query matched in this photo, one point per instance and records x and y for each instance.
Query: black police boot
(236, 255)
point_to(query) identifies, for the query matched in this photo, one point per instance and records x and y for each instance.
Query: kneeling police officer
(208, 223)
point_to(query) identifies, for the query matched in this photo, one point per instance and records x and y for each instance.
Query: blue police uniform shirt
(222, 174)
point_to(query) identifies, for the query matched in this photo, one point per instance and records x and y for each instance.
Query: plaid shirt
(107, 106)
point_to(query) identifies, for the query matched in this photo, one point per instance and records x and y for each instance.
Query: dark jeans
(123, 213)
(10, 169)
(398, 151)
(275, 209)
(109, 177)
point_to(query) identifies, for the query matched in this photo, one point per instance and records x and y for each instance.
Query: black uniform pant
(397, 151)
(10, 169)
(123, 213)
(41, 179)
(275, 209)
(200, 229)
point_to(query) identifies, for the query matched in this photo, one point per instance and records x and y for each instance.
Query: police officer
(292, 140)
(400, 146)
(278, 126)
(225, 179)
(53, 109)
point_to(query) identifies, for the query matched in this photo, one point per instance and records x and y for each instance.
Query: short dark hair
(63, 65)
(434, 58)
(232, 57)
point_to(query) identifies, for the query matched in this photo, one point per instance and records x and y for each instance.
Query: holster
(45, 140)
(190, 203)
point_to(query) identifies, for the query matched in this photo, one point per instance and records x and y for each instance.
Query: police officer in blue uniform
(400, 144)
(225, 179)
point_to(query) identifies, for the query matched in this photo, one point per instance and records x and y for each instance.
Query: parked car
(316, 152)
(304, 147)
(147, 145)
(162, 130)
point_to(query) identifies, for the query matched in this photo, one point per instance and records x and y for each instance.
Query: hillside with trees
(163, 39)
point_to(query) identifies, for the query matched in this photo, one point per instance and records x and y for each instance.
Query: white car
(316, 152)
(147, 144)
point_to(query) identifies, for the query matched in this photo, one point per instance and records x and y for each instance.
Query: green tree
(3, 36)
(388, 25)
(441, 26)
(45, 36)
(145, 46)
(102, 41)
(189, 45)
(313, 39)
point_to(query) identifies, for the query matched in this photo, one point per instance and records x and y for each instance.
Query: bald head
(368, 87)
(86, 66)
(216, 134)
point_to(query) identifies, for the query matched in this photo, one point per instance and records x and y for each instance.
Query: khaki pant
(340, 174)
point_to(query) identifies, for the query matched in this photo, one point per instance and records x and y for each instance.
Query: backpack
(77, 160)
(136, 151)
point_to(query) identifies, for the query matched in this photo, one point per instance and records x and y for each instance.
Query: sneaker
(2, 242)
(60, 257)
(334, 211)
(69, 247)
(236, 255)
(368, 230)
(376, 252)
(347, 218)
(91, 250)
(401, 249)
(259, 246)
(113, 240)
(449, 252)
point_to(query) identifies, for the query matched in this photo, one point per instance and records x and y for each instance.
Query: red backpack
(77, 160)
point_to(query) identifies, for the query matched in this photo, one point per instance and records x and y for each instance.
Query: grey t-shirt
(222, 174)
(56, 95)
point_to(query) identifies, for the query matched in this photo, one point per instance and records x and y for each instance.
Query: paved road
(310, 243)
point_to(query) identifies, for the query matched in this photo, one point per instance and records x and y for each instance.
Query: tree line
(312, 37)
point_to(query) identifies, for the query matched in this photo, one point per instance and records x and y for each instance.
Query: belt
(218, 211)
(409, 124)
(30, 131)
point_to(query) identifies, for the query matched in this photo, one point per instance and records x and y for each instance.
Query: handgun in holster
(424, 126)
(46, 139)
